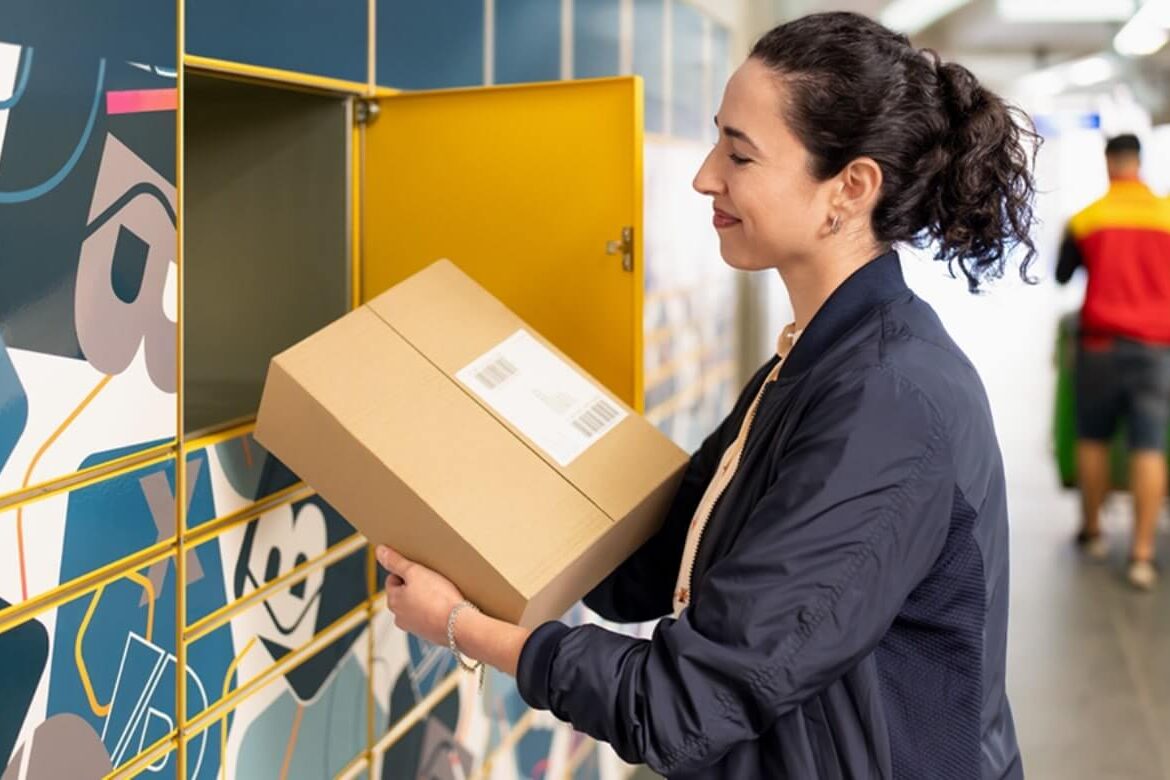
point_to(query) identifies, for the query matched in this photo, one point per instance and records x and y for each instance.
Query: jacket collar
(1129, 185)
(875, 283)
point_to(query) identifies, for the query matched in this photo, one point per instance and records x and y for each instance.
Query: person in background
(1123, 362)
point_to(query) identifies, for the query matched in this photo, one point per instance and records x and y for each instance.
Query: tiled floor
(1089, 666)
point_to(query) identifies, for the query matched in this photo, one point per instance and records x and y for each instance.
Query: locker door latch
(625, 248)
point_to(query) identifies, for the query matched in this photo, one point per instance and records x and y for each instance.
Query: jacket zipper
(702, 533)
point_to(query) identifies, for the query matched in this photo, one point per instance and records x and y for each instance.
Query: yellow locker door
(530, 189)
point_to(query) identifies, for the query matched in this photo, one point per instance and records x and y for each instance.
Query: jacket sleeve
(1070, 258)
(642, 587)
(856, 515)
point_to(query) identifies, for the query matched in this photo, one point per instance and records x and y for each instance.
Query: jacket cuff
(536, 660)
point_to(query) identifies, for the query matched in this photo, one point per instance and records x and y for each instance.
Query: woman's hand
(420, 599)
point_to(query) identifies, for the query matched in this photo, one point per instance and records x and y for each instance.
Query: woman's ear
(859, 185)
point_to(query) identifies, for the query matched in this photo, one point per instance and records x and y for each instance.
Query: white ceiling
(1001, 51)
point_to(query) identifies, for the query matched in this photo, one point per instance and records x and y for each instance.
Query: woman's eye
(735, 158)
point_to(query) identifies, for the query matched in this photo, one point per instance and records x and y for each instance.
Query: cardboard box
(438, 422)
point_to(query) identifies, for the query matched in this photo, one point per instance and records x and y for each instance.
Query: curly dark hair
(956, 159)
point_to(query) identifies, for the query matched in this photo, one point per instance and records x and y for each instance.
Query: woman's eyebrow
(736, 133)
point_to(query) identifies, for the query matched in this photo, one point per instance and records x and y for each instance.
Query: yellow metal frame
(354, 768)
(180, 713)
(273, 76)
(524, 86)
(510, 740)
(218, 618)
(212, 528)
(84, 477)
(415, 716)
(148, 756)
(228, 704)
(30, 607)
(356, 192)
(202, 441)
(24, 611)
(214, 713)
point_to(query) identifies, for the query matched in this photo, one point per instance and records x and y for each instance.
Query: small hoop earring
(835, 228)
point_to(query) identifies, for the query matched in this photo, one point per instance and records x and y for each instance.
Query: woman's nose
(706, 181)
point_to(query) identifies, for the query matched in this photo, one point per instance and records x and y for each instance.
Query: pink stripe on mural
(137, 101)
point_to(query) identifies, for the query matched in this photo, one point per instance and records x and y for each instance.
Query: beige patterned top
(723, 476)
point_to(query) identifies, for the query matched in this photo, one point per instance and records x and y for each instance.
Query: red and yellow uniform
(1123, 241)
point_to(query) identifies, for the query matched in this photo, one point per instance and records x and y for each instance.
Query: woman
(836, 557)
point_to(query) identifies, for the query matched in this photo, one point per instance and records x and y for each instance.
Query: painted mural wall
(247, 593)
(88, 318)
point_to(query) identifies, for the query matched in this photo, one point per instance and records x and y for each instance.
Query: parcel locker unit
(266, 225)
(302, 200)
(299, 202)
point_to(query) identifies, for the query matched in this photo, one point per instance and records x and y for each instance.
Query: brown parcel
(369, 412)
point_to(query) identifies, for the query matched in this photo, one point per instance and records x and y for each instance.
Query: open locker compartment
(535, 191)
(267, 235)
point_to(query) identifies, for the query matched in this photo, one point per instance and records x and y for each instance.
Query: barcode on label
(594, 419)
(496, 373)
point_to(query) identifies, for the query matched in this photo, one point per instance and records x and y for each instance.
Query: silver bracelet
(478, 666)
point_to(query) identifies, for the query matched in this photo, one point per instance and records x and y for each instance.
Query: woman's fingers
(392, 561)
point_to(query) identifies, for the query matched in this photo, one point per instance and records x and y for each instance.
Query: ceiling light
(1084, 72)
(913, 16)
(1046, 82)
(1140, 41)
(1146, 32)
(1089, 71)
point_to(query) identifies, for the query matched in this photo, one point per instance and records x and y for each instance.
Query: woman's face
(769, 211)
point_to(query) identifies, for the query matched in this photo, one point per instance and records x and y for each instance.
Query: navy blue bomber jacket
(850, 596)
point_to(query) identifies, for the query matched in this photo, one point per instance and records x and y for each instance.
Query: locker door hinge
(625, 248)
(365, 111)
